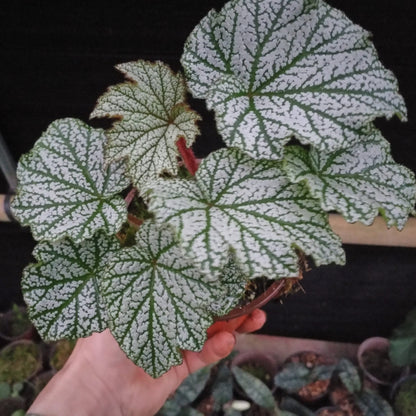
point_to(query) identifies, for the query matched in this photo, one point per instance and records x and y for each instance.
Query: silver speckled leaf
(62, 289)
(247, 207)
(359, 182)
(151, 115)
(158, 300)
(65, 189)
(274, 69)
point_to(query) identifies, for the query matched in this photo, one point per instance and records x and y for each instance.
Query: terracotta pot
(276, 289)
(373, 359)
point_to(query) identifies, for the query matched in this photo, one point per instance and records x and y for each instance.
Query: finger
(229, 326)
(217, 347)
(254, 321)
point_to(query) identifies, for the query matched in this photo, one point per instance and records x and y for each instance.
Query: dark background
(57, 57)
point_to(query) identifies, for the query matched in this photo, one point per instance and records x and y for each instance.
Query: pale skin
(98, 378)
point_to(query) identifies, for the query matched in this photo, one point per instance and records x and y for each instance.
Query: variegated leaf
(360, 182)
(249, 208)
(65, 190)
(274, 69)
(254, 388)
(158, 301)
(152, 115)
(62, 289)
(372, 404)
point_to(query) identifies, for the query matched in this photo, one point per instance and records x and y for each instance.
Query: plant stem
(187, 156)
(129, 197)
(133, 220)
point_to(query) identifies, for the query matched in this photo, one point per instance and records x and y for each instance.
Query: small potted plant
(15, 324)
(373, 358)
(403, 353)
(10, 399)
(404, 396)
(307, 375)
(19, 361)
(295, 88)
(60, 352)
(222, 389)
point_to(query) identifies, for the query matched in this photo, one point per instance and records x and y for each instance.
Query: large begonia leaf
(359, 182)
(62, 289)
(151, 115)
(274, 69)
(249, 208)
(158, 301)
(65, 189)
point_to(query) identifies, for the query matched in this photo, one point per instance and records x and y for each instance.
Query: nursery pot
(19, 361)
(317, 390)
(15, 325)
(275, 290)
(373, 358)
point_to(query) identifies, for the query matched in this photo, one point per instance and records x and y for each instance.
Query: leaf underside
(272, 69)
(62, 289)
(248, 208)
(359, 182)
(157, 300)
(65, 190)
(151, 116)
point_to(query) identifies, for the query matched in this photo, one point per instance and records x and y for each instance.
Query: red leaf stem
(187, 156)
(129, 197)
(133, 220)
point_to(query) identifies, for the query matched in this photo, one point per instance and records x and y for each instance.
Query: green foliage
(254, 388)
(405, 400)
(151, 116)
(273, 71)
(65, 188)
(10, 390)
(372, 404)
(403, 342)
(18, 362)
(349, 375)
(221, 384)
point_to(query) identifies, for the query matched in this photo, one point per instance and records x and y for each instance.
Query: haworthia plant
(158, 301)
(62, 288)
(274, 69)
(249, 208)
(151, 116)
(65, 188)
(360, 182)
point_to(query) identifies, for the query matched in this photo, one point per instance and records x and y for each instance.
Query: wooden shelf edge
(375, 234)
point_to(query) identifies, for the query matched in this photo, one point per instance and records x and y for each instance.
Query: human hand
(98, 378)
